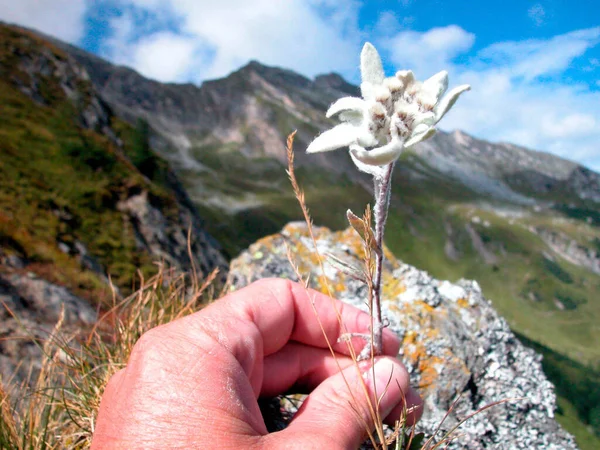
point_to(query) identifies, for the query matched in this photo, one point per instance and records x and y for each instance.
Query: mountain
(82, 199)
(524, 224)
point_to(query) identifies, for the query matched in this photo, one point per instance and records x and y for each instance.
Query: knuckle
(148, 343)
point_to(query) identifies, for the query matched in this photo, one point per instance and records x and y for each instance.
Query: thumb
(339, 411)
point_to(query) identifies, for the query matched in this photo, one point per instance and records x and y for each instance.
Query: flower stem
(382, 203)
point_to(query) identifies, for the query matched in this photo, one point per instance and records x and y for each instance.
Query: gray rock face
(168, 240)
(570, 250)
(35, 306)
(507, 172)
(455, 346)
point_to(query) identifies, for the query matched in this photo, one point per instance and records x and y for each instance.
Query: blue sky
(534, 66)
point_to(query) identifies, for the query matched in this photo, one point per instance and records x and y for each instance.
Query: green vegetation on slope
(60, 184)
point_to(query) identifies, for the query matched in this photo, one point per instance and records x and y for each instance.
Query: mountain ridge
(219, 103)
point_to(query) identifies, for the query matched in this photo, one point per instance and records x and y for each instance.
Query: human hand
(194, 383)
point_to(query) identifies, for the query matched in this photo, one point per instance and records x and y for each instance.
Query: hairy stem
(382, 203)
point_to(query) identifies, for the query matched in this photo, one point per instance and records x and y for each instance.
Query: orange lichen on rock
(416, 353)
(463, 302)
(430, 371)
(392, 287)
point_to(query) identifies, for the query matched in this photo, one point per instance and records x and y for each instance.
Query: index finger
(281, 310)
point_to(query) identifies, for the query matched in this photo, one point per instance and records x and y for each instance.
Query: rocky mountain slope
(523, 224)
(82, 200)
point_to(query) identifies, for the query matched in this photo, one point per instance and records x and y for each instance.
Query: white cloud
(512, 99)
(164, 56)
(532, 58)
(388, 23)
(429, 52)
(537, 14)
(570, 126)
(311, 36)
(63, 19)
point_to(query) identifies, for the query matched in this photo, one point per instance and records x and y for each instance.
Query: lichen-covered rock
(455, 345)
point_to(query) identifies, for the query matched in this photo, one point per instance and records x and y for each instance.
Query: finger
(342, 408)
(282, 310)
(111, 390)
(110, 396)
(304, 368)
(411, 409)
(299, 366)
(260, 319)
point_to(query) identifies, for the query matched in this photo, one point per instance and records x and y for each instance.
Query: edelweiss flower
(395, 113)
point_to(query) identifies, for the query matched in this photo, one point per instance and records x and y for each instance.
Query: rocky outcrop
(167, 240)
(570, 249)
(30, 308)
(455, 345)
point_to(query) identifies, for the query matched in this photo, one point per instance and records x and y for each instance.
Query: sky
(534, 66)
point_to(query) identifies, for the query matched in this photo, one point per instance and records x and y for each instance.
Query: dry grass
(57, 409)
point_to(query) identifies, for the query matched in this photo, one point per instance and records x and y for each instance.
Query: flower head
(394, 113)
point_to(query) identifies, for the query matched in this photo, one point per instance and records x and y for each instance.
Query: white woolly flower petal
(416, 138)
(364, 136)
(379, 156)
(341, 135)
(420, 129)
(448, 101)
(353, 117)
(346, 104)
(427, 118)
(376, 171)
(436, 85)
(368, 90)
(371, 68)
(407, 77)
